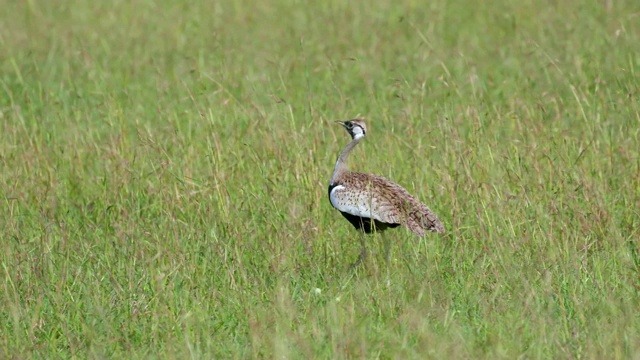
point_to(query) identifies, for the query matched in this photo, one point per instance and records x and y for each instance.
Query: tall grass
(164, 166)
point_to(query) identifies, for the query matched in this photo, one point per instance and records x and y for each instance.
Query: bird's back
(375, 197)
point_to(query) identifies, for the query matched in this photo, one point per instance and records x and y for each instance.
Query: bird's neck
(341, 163)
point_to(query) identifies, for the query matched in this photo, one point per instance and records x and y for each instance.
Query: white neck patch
(358, 133)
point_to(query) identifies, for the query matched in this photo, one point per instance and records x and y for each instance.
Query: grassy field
(164, 169)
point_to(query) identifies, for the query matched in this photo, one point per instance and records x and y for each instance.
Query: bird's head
(356, 128)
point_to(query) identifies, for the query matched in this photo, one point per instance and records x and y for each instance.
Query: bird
(372, 203)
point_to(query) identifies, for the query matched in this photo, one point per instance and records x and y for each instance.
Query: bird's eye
(349, 125)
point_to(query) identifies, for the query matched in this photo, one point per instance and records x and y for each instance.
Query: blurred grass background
(164, 166)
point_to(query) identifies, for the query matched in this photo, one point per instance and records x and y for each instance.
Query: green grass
(164, 169)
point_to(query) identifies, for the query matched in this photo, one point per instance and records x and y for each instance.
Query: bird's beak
(340, 122)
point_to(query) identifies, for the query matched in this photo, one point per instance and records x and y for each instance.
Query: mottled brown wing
(359, 195)
(395, 203)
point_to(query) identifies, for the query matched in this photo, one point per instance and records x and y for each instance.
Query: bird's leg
(387, 248)
(387, 251)
(363, 252)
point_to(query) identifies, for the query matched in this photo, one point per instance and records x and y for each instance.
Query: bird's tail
(421, 219)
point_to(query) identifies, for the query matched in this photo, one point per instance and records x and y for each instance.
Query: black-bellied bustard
(372, 203)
